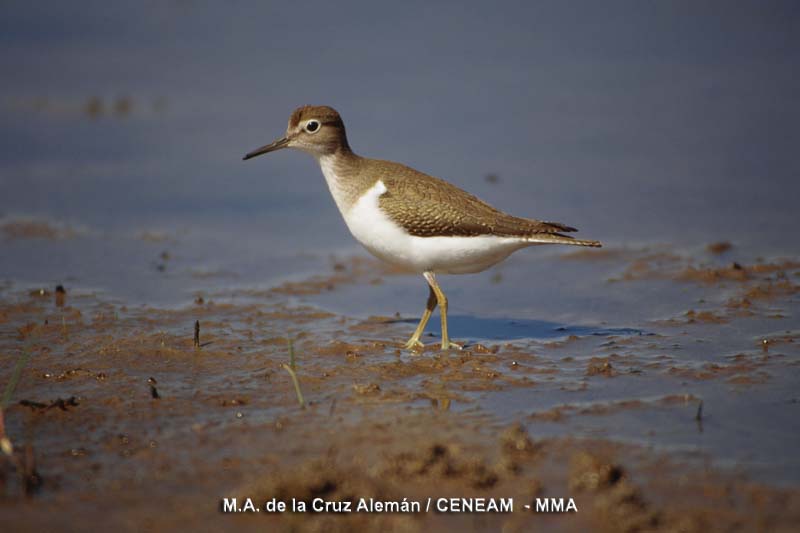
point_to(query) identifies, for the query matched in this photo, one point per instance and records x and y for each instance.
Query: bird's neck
(346, 176)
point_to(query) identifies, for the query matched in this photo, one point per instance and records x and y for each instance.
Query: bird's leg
(414, 342)
(442, 300)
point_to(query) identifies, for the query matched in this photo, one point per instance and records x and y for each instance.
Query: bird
(409, 219)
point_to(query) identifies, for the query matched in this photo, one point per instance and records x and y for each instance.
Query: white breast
(389, 241)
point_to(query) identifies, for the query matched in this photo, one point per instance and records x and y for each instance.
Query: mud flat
(129, 416)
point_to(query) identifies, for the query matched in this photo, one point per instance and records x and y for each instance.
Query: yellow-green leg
(442, 301)
(414, 342)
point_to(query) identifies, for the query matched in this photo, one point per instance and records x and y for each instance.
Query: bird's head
(318, 130)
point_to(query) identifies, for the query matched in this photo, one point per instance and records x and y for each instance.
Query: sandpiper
(410, 219)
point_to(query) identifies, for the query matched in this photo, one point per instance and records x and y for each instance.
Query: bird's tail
(557, 238)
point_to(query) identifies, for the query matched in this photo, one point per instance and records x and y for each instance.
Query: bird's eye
(312, 126)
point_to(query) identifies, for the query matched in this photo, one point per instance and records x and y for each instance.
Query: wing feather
(427, 207)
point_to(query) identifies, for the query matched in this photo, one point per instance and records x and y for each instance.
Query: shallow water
(656, 132)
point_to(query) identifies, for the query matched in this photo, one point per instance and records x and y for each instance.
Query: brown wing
(429, 207)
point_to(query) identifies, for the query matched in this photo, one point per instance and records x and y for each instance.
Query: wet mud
(130, 414)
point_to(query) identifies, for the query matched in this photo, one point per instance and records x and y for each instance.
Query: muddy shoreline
(122, 411)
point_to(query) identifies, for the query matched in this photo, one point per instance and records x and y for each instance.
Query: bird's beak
(277, 145)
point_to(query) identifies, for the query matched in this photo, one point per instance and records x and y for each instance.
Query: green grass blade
(291, 372)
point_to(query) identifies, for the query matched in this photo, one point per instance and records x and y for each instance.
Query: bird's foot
(414, 345)
(451, 345)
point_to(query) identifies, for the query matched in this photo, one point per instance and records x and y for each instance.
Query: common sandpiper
(410, 219)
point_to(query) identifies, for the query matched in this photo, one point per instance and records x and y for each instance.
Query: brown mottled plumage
(428, 207)
(423, 205)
